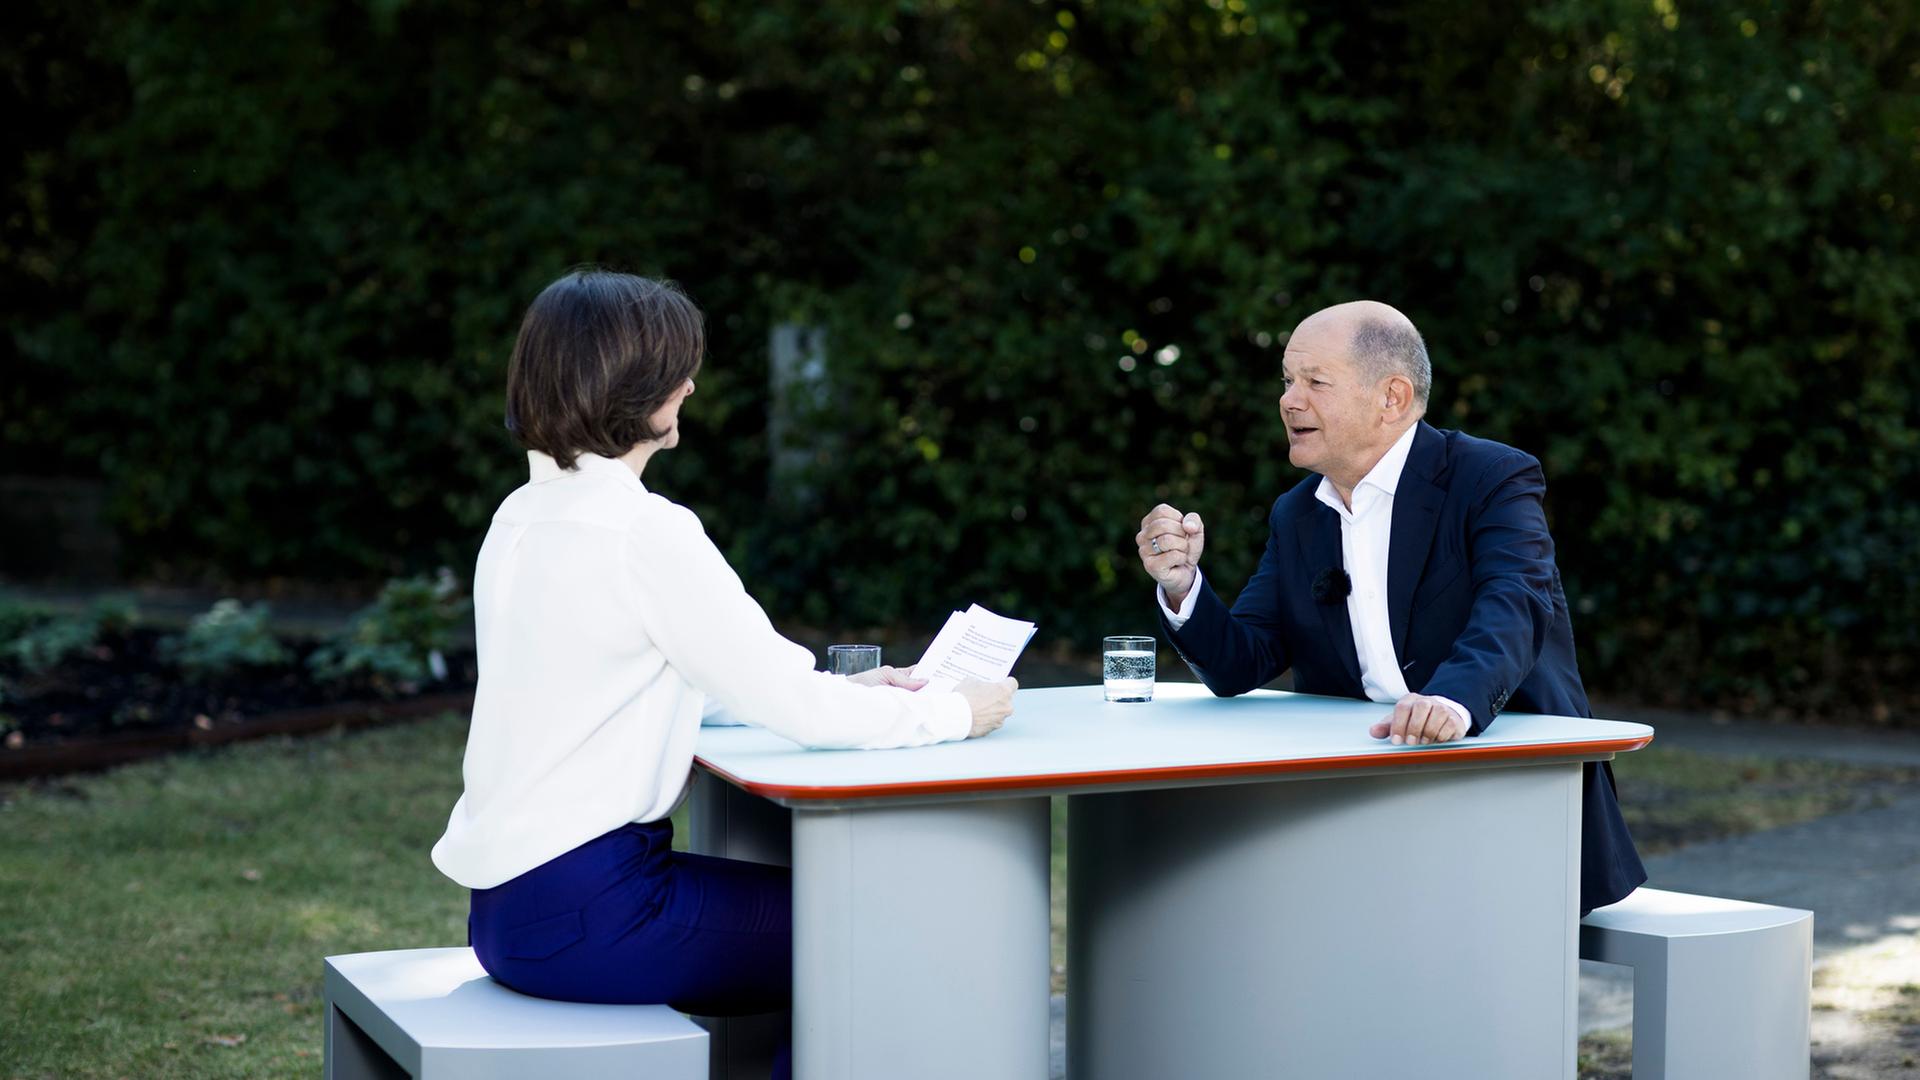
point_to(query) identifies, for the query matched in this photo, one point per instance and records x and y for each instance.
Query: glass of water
(1128, 667)
(852, 659)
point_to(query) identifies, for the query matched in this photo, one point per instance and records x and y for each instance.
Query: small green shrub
(401, 639)
(46, 645)
(42, 645)
(18, 617)
(226, 638)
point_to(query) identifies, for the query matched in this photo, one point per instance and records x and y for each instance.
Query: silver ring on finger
(1156, 545)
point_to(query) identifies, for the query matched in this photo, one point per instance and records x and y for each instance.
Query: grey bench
(433, 1013)
(1721, 988)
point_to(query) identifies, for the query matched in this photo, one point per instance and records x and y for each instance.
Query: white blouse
(607, 624)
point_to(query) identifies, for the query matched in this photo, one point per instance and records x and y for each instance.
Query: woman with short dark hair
(608, 625)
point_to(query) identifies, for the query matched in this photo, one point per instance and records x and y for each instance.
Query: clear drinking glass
(852, 659)
(1127, 663)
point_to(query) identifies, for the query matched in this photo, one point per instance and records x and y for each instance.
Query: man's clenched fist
(1170, 544)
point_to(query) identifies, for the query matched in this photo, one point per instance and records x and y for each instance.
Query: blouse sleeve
(698, 614)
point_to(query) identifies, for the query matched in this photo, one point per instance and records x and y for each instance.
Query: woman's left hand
(887, 676)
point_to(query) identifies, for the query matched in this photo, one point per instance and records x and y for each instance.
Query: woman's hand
(887, 676)
(991, 702)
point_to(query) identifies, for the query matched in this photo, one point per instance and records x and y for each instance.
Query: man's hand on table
(1417, 720)
(991, 702)
(888, 676)
(1170, 544)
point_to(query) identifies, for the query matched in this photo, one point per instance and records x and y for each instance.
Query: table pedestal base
(1394, 925)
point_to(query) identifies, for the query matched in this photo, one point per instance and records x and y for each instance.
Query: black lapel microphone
(1331, 586)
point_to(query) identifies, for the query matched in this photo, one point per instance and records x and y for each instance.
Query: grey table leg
(732, 824)
(1366, 926)
(920, 941)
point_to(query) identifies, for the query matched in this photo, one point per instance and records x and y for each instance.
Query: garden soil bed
(122, 702)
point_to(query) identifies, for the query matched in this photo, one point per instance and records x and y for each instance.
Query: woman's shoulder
(666, 536)
(655, 517)
(655, 507)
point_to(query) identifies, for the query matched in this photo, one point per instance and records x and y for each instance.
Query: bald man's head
(1377, 337)
(1357, 379)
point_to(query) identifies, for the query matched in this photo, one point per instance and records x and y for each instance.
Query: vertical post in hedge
(797, 381)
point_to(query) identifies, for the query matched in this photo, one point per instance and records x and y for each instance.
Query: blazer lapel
(1416, 508)
(1320, 541)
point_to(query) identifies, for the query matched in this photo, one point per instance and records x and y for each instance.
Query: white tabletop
(1066, 737)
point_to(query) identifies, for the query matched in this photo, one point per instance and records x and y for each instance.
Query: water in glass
(1128, 668)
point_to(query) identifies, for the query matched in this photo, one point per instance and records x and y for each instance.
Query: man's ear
(1398, 396)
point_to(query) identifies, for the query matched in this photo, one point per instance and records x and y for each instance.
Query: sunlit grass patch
(1866, 1009)
(1605, 1055)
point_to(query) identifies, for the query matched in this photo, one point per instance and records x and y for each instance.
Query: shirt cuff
(956, 719)
(1178, 619)
(1466, 718)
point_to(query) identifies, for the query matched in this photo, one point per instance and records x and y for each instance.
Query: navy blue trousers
(625, 919)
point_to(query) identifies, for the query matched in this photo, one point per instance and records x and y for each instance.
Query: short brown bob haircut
(599, 352)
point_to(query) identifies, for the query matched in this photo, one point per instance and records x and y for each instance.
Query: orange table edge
(1224, 770)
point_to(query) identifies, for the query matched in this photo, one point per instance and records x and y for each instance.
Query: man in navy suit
(1414, 570)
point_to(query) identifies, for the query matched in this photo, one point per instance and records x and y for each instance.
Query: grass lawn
(168, 919)
(1672, 798)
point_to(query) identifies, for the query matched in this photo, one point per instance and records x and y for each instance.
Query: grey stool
(433, 1014)
(1721, 988)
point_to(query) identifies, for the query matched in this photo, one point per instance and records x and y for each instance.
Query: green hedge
(263, 264)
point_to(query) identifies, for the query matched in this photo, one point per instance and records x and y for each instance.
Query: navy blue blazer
(1474, 602)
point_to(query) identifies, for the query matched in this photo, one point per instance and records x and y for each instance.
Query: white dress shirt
(606, 623)
(1366, 535)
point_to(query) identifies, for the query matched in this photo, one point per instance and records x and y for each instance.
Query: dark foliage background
(261, 265)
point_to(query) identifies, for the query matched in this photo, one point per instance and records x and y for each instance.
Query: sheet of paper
(974, 644)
